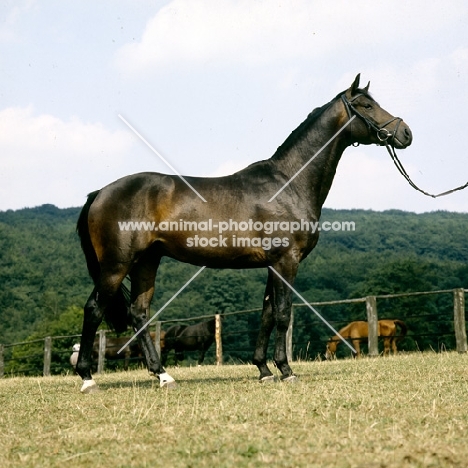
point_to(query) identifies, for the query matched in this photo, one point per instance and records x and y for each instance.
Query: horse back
(358, 329)
(172, 332)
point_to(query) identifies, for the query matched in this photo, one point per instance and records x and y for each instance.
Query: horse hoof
(89, 386)
(290, 379)
(166, 381)
(268, 379)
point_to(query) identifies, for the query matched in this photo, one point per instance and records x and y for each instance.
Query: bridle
(383, 134)
(387, 139)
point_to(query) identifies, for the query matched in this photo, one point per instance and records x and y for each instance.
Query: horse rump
(117, 313)
(403, 329)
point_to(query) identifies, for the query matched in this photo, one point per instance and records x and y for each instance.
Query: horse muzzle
(399, 137)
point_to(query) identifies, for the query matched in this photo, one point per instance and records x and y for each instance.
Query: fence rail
(371, 302)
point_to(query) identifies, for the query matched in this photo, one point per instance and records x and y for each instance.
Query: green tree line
(44, 281)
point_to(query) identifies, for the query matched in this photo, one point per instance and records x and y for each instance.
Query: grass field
(404, 411)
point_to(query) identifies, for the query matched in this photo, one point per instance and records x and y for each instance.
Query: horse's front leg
(282, 302)
(201, 357)
(127, 357)
(266, 327)
(386, 346)
(357, 347)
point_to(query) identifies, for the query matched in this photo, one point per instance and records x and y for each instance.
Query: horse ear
(366, 89)
(355, 85)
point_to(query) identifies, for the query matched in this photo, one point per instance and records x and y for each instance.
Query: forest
(45, 282)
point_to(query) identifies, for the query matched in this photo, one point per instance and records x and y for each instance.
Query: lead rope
(401, 169)
(384, 135)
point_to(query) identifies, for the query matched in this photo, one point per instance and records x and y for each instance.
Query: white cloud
(365, 179)
(42, 156)
(15, 10)
(258, 32)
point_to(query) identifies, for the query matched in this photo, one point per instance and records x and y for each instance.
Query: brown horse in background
(359, 331)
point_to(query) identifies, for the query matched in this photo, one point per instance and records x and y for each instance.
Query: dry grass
(407, 411)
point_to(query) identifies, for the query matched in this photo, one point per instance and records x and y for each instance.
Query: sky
(215, 85)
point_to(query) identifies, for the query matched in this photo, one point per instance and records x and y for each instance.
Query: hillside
(43, 272)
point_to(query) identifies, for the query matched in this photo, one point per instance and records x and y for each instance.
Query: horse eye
(367, 106)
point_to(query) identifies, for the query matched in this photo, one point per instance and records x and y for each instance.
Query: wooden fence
(372, 318)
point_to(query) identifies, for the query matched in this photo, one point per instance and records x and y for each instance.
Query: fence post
(47, 355)
(218, 339)
(2, 361)
(157, 338)
(289, 334)
(372, 321)
(459, 319)
(102, 351)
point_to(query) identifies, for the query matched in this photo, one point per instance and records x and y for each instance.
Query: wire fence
(435, 321)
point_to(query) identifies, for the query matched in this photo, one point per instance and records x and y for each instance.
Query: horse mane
(302, 129)
(297, 134)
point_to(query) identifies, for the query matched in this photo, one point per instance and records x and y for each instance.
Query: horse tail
(403, 329)
(94, 269)
(116, 313)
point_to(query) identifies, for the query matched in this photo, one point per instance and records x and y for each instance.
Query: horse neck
(344, 332)
(313, 135)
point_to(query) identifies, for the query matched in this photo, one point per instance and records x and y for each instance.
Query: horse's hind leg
(94, 310)
(142, 277)
(266, 327)
(386, 342)
(282, 302)
(127, 357)
(93, 315)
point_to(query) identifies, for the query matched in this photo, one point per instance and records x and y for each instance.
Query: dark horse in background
(180, 338)
(113, 345)
(132, 351)
(314, 148)
(358, 332)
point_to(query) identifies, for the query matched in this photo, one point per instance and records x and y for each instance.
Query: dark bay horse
(180, 338)
(359, 331)
(265, 229)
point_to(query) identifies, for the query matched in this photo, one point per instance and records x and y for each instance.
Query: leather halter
(383, 134)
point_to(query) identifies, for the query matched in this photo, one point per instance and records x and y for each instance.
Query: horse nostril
(408, 135)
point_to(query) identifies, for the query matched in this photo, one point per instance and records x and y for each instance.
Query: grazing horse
(271, 204)
(180, 338)
(359, 331)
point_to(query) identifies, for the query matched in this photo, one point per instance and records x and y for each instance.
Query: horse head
(371, 123)
(330, 352)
